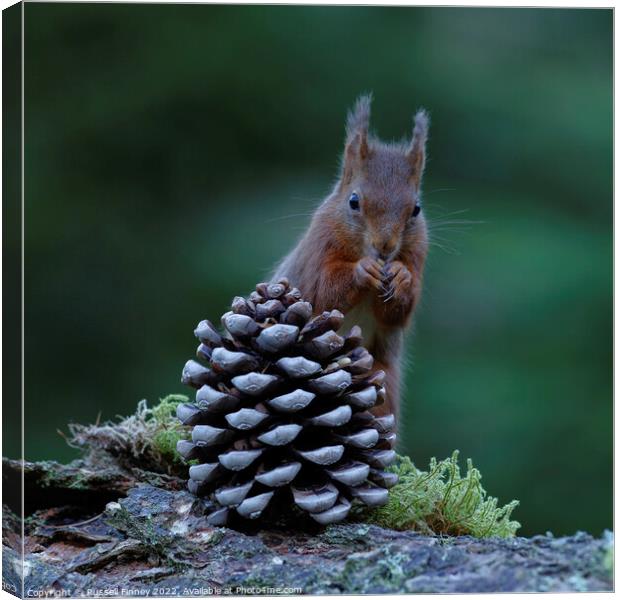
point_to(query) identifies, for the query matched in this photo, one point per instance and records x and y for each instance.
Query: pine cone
(281, 412)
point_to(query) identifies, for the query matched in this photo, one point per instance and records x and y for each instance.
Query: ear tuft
(356, 149)
(358, 118)
(417, 150)
(421, 122)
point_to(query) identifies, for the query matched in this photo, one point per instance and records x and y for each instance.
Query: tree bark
(99, 529)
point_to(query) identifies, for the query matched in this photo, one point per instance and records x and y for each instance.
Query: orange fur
(336, 264)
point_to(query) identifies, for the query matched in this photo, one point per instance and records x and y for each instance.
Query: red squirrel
(366, 245)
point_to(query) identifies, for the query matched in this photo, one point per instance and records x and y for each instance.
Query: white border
(428, 3)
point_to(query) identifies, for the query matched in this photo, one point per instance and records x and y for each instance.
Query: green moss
(147, 439)
(165, 442)
(165, 412)
(442, 501)
(168, 431)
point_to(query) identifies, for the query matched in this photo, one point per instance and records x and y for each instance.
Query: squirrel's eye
(354, 201)
(416, 211)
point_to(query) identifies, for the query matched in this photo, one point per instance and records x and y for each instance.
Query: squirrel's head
(378, 192)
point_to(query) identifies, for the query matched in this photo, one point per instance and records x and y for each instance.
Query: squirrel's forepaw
(368, 274)
(398, 280)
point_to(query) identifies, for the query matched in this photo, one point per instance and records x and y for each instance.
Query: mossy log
(101, 529)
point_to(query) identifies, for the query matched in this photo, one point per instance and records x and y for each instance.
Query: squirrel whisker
(282, 218)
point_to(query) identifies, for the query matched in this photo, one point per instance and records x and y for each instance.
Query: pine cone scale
(281, 413)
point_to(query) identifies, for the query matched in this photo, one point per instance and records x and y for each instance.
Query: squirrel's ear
(356, 149)
(417, 150)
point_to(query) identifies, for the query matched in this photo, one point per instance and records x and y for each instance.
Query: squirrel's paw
(368, 274)
(398, 282)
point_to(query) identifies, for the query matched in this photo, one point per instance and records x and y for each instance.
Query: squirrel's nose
(384, 251)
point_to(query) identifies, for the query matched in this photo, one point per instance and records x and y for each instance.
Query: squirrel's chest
(362, 315)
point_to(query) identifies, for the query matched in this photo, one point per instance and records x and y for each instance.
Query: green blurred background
(174, 152)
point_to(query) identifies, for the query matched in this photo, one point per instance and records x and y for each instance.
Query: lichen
(442, 501)
(379, 571)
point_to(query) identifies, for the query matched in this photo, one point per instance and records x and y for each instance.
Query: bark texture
(112, 531)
